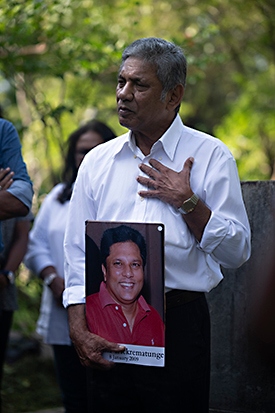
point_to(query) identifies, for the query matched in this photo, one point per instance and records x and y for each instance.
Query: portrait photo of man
(118, 311)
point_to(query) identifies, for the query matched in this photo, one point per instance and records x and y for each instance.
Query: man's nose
(128, 271)
(125, 92)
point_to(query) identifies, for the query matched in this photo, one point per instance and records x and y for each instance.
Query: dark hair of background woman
(70, 170)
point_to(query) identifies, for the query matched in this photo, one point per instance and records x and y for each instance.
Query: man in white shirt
(160, 171)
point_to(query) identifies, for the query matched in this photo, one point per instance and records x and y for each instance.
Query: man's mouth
(123, 110)
(127, 284)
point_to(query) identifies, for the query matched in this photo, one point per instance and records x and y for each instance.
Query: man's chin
(124, 122)
(128, 299)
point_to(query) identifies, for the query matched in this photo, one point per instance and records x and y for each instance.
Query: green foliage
(58, 68)
(29, 290)
(59, 62)
(248, 129)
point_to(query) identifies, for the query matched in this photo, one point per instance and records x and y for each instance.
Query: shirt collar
(169, 140)
(171, 137)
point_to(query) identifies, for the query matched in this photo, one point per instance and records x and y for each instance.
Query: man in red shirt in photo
(118, 312)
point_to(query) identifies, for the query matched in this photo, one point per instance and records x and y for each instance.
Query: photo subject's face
(124, 274)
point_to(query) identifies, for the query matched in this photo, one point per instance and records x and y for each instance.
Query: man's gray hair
(168, 59)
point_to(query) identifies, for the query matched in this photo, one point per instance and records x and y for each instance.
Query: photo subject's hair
(122, 233)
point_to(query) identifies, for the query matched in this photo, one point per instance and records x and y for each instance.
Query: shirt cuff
(23, 191)
(214, 232)
(74, 295)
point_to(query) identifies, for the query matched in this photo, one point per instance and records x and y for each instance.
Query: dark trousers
(5, 326)
(181, 386)
(72, 379)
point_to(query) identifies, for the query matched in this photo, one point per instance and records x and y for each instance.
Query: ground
(29, 383)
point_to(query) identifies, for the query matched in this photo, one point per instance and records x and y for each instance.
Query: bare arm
(10, 206)
(57, 285)
(17, 250)
(174, 188)
(21, 231)
(19, 245)
(89, 346)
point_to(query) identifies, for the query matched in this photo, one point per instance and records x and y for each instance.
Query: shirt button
(116, 307)
(135, 156)
(141, 199)
(124, 325)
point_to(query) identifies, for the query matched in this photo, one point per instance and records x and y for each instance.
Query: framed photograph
(125, 289)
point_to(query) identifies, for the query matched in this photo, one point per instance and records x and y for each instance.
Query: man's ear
(175, 97)
(104, 272)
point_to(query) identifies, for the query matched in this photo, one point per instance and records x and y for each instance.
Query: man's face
(138, 93)
(124, 273)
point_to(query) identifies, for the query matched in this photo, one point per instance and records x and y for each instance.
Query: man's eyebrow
(134, 78)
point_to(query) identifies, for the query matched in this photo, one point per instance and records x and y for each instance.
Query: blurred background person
(15, 239)
(16, 199)
(16, 194)
(45, 257)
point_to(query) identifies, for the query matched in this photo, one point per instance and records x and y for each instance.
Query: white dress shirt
(45, 248)
(106, 189)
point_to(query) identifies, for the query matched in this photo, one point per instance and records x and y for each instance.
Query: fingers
(91, 352)
(148, 171)
(104, 345)
(169, 186)
(154, 172)
(155, 169)
(186, 171)
(3, 172)
(105, 363)
(188, 163)
(6, 178)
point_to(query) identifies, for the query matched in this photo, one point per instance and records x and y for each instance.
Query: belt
(175, 298)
